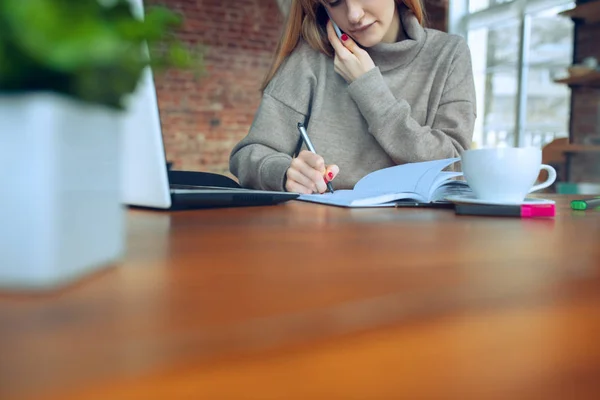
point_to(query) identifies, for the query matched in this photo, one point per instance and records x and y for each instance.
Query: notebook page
(450, 188)
(412, 177)
(442, 178)
(338, 198)
(349, 198)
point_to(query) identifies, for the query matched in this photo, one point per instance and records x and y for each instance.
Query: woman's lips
(362, 28)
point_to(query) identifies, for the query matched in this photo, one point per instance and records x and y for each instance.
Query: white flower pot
(60, 211)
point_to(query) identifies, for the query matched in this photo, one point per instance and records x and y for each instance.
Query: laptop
(147, 180)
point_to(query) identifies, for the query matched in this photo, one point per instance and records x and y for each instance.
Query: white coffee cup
(505, 174)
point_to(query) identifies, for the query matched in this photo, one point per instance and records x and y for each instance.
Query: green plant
(91, 50)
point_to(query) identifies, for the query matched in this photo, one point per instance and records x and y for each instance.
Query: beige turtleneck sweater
(417, 104)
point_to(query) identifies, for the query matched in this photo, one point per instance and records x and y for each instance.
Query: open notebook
(423, 182)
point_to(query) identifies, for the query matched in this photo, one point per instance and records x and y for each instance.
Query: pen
(585, 204)
(522, 211)
(310, 146)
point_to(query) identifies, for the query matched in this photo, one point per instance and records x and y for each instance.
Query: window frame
(461, 21)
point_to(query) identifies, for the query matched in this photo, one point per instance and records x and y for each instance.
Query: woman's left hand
(351, 61)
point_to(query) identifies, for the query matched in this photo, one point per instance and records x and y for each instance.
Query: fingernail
(330, 175)
(325, 179)
(344, 37)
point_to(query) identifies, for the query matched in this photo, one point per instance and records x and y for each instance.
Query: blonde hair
(307, 20)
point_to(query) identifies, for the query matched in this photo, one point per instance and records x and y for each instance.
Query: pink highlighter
(522, 211)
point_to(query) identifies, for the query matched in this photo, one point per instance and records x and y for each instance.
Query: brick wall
(585, 110)
(202, 120)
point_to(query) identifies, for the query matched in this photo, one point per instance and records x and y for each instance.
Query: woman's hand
(308, 174)
(350, 61)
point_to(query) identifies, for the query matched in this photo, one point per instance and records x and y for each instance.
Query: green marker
(587, 204)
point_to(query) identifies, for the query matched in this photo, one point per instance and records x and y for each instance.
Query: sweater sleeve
(401, 136)
(261, 159)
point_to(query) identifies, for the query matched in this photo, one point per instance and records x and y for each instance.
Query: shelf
(588, 12)
(580, 148)
(591, 79)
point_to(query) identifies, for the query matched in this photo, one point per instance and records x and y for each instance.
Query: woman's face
(368, 22)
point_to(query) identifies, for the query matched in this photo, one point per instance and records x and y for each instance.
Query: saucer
(471, 199)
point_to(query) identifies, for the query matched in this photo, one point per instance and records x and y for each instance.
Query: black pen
(310, 146)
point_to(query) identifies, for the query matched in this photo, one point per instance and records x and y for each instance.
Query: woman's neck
(410, 39)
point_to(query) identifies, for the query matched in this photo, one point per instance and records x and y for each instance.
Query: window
(517, 47)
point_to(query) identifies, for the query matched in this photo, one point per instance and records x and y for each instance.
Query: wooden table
(301, 301)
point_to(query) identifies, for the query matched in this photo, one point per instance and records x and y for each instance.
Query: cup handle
(547, 182)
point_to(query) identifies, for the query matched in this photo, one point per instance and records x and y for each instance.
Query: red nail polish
(325, 179)
(344, 37)
(330, 175)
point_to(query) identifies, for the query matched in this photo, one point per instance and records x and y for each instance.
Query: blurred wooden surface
(301, 301)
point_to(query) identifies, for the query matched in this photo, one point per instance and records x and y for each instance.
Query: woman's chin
(367, 40)
(367, 43)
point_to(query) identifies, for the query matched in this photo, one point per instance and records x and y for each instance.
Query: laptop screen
(143, 163)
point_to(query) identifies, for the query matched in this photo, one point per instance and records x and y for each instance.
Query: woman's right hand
(308, 174)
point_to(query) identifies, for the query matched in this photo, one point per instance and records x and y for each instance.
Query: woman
(387, 92)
